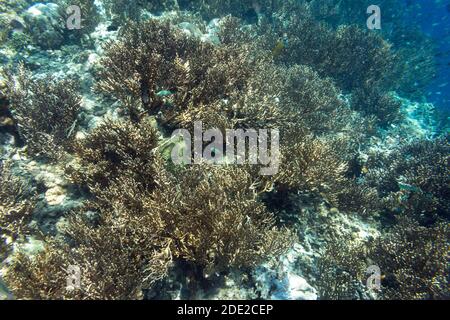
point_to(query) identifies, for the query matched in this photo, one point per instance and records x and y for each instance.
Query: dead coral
(46, 111)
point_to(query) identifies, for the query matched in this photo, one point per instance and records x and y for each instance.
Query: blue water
(434, 20)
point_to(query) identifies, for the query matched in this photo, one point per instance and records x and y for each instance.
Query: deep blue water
(434, 20)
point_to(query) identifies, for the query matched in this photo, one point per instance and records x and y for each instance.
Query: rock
(190, 29)
(281, 285)
(294, 287)
(55, 196)
(45, 25)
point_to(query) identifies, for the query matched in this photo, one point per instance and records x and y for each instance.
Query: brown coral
(46, 111)
(115, 148)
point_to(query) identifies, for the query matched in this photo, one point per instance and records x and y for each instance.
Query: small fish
(279, 47)
(164, 93)
(408, 187)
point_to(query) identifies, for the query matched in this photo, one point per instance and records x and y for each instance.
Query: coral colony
(223, 149)
(232, 151)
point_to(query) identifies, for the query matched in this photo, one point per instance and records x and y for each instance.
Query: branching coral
(324, 87)
(414, 261)
(143, 63)
(156, 68)
(341, 270)
(309, 164)
(142, 213)
(415, 64)
(46, 111)
(414, 179)
(16, 203)
(310, 101)
(231, 228)
(148, 228)
(113, 149)
(116, 261)
(357, 60)
(373, 101)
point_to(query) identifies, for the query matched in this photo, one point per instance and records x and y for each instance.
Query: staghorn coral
(357, 60)
(311, 101)
(150, 228)
(113, 149)
(310, 165)
(414, 49)
(414, 179)
(16, 203)
(45, 109)
(158, 69)
(325, 88)
(373, 101)
(114, 227)
(414, 261)
(231, 229)
(143, 62)
(100, 252)
(341, 270)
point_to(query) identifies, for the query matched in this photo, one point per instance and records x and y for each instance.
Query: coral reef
(414, 179)
(45, 110)
(114, 149)
(16, 203)
(362, 178)
(44, 24)
(414, 261)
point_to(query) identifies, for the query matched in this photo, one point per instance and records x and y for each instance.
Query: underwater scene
(224, 150)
